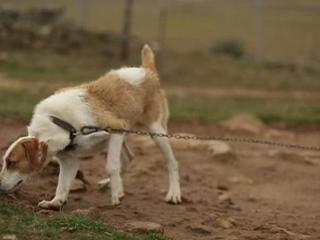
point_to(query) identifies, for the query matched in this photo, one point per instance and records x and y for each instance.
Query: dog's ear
(35, 152)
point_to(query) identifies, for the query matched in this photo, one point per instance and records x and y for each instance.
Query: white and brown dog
(119, 99)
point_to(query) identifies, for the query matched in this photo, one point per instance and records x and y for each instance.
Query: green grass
(18, 104)
(213, 110)
(52, 67)
(205, 71)
(26, 224)
(192, 69)
(48, 71)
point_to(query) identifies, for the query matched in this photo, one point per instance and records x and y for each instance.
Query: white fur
(174, 193)
(114, 167)
(68, 105)
(9, 181)
(133, 75)
(68, 170)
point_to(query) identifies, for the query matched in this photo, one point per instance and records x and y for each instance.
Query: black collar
(69, 128)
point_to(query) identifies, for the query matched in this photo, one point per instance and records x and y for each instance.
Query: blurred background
(217, 58)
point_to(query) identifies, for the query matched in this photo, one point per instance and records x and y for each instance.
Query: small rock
(93, 212)
(290, 156)
(221, 150)
(224, 198)
(226, 201)
(222, 187)
(78, 186)
(201, 229)
(224, 223)
(289, 233)
(45, 211)
(9, 237)
(144, 227)
(276, 134)
(241, 179)
(252, 198)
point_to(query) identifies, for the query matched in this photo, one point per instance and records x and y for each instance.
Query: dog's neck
(46, 131)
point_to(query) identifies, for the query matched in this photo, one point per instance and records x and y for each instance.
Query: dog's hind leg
(126, 157)
(114, 167)
(173, 195)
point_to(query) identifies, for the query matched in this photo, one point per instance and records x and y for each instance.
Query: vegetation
(230, 48)
(48, 71)
(26, 224)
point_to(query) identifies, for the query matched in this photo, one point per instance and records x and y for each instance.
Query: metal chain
(218, 138)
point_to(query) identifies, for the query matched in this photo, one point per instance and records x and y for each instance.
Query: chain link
(217, 138)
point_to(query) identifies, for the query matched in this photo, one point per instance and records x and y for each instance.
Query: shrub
(229, 47)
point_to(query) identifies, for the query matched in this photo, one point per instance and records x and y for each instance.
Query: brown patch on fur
(118, 104)
(27, 155)
(147, 57)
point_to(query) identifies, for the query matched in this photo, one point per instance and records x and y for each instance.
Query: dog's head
(24, 157)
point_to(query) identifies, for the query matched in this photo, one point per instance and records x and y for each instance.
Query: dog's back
(126, 96)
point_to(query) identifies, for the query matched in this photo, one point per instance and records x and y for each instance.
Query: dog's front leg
(68, 170)
(114, 167)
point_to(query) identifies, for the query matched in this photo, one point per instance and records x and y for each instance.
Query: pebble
(224, 223)
(224, 198)
(78, 186)
(222, 187)
(201, 229)
(46, 212)
(92, 211)
(144, 227)
(9, 237)
(241, 180)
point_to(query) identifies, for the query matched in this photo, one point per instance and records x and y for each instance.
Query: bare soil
(258, 195)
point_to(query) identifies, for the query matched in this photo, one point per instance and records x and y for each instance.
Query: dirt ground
(263, 193)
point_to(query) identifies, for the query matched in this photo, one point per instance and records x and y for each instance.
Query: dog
(121, 98)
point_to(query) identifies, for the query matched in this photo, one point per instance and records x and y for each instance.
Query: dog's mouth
(15, 187)
(18, 183)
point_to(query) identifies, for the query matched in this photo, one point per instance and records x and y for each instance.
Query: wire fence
(285, 30)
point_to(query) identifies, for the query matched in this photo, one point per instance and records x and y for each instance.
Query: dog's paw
(173, 197)
(53, 204)
(104, 182)
(115, 200)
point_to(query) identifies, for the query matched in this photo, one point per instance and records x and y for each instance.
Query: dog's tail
(147, 57)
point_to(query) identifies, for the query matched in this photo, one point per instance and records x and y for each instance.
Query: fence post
(162, 32)
(126, 29)
(259, 30)
(83, 13)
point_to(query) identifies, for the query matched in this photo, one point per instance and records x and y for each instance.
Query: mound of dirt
(245, 123)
